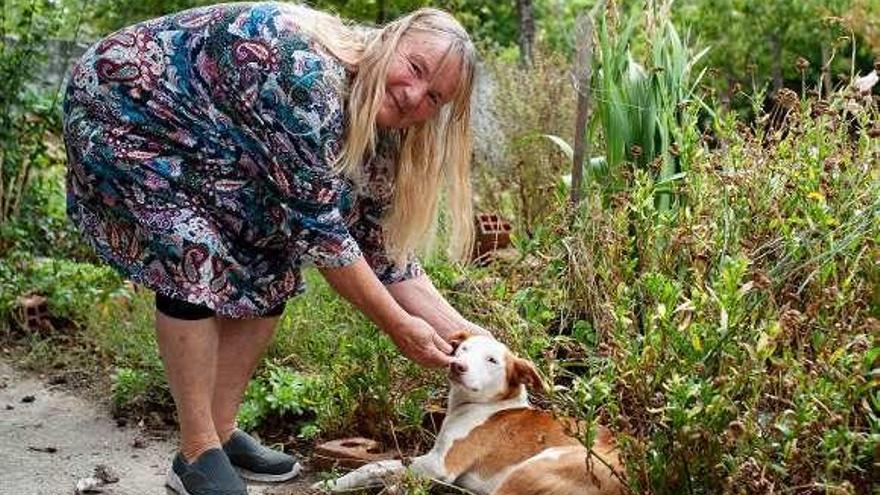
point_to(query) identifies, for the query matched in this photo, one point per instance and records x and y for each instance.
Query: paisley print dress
(200, 149)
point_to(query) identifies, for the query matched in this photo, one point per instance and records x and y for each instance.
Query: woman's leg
(241, 343)
(189, 353)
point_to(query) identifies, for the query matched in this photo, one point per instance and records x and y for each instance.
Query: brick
(350, 453)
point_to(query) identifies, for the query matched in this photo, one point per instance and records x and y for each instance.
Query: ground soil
(51, 437)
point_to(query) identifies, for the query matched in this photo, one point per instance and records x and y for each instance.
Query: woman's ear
(457, 338)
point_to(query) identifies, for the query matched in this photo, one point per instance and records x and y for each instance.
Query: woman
(215, 152)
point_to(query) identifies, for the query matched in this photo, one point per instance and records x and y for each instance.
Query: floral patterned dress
(200, 150)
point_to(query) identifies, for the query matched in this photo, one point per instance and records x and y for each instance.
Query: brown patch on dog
(520, 372)
(507, 438)
(458, 337)
(569, 474)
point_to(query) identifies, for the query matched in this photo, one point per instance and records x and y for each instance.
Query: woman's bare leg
(242, 343)
(189, 353)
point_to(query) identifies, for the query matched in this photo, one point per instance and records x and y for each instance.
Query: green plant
(72, 289)
(25, 117)
(519, 174)
(737, 354)
(640, 106)
(279, 391)
(129, 385)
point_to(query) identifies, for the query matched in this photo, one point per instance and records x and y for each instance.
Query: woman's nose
(415, 93)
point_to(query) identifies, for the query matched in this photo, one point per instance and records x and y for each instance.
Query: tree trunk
(526, 13)
(776, 55)
(381, 12)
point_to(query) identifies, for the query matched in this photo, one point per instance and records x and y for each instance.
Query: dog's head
(486, 371)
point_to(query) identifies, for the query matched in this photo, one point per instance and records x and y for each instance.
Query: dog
(492, 442)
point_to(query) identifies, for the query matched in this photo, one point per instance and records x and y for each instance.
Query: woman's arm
(414, 337)
(420, 298)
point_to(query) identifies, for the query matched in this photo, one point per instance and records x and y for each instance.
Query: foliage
(525, 104)
(356, 380)
(280, 391)
(732, 342)
(640, 106)
(24, 118)
(129, 385)
(491, 22)
(859, 19)
(72, 289)
(754, 44)
(32, 165)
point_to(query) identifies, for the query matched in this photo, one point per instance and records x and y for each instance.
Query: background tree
(760, 42)
(526, 13)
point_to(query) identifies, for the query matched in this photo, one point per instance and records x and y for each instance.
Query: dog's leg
(431, 466)
(367, 476)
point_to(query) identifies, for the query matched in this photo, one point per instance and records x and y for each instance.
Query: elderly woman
(215, 152)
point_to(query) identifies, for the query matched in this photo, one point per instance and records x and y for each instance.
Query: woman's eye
(435, 100)
(415, 68)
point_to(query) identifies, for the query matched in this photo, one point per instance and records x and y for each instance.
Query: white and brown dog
(493, 442)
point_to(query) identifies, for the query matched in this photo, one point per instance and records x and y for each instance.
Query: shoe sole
(268, 478)
(173, 482)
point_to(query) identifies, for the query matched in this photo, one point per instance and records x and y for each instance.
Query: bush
(522, 179)
(731, 341)
(73, 290)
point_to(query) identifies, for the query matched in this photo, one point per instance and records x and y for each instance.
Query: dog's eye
(463, 349)
(492, 360)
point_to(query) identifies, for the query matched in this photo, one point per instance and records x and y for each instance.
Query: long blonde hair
(429, 153)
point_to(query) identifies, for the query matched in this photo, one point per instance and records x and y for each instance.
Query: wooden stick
(583, 71)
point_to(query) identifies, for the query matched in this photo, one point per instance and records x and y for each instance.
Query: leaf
(562, 144)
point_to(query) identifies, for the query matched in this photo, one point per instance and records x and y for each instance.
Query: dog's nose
(458, 367)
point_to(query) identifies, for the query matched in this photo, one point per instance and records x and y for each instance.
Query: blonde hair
(429, 153)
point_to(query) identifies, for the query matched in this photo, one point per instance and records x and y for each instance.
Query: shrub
(729, 342)
(73, 290)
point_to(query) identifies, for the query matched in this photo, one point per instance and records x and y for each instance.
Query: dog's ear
(522, 372)
(457, 338)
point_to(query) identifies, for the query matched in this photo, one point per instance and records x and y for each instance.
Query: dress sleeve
(373, 203)
(287, 97)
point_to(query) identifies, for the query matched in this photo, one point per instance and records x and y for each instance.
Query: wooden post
(526, 13)
(583, 71)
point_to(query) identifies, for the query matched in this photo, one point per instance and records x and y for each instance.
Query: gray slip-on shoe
(210, 474)
(258, 463)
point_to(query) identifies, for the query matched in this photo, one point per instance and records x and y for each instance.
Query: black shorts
(183, 310)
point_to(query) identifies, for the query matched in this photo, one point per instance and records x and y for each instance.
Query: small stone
(88, 485)
(27, 399)
(48, 450)
(9, 407)
(106, 474)
(139, 443)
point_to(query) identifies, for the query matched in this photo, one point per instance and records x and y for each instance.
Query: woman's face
(420, 80)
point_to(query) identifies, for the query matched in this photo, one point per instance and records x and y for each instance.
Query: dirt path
(50, 439)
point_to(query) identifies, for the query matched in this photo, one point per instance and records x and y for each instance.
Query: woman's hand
(420, 343)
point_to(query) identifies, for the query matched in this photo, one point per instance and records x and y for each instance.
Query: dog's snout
(458, 367)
